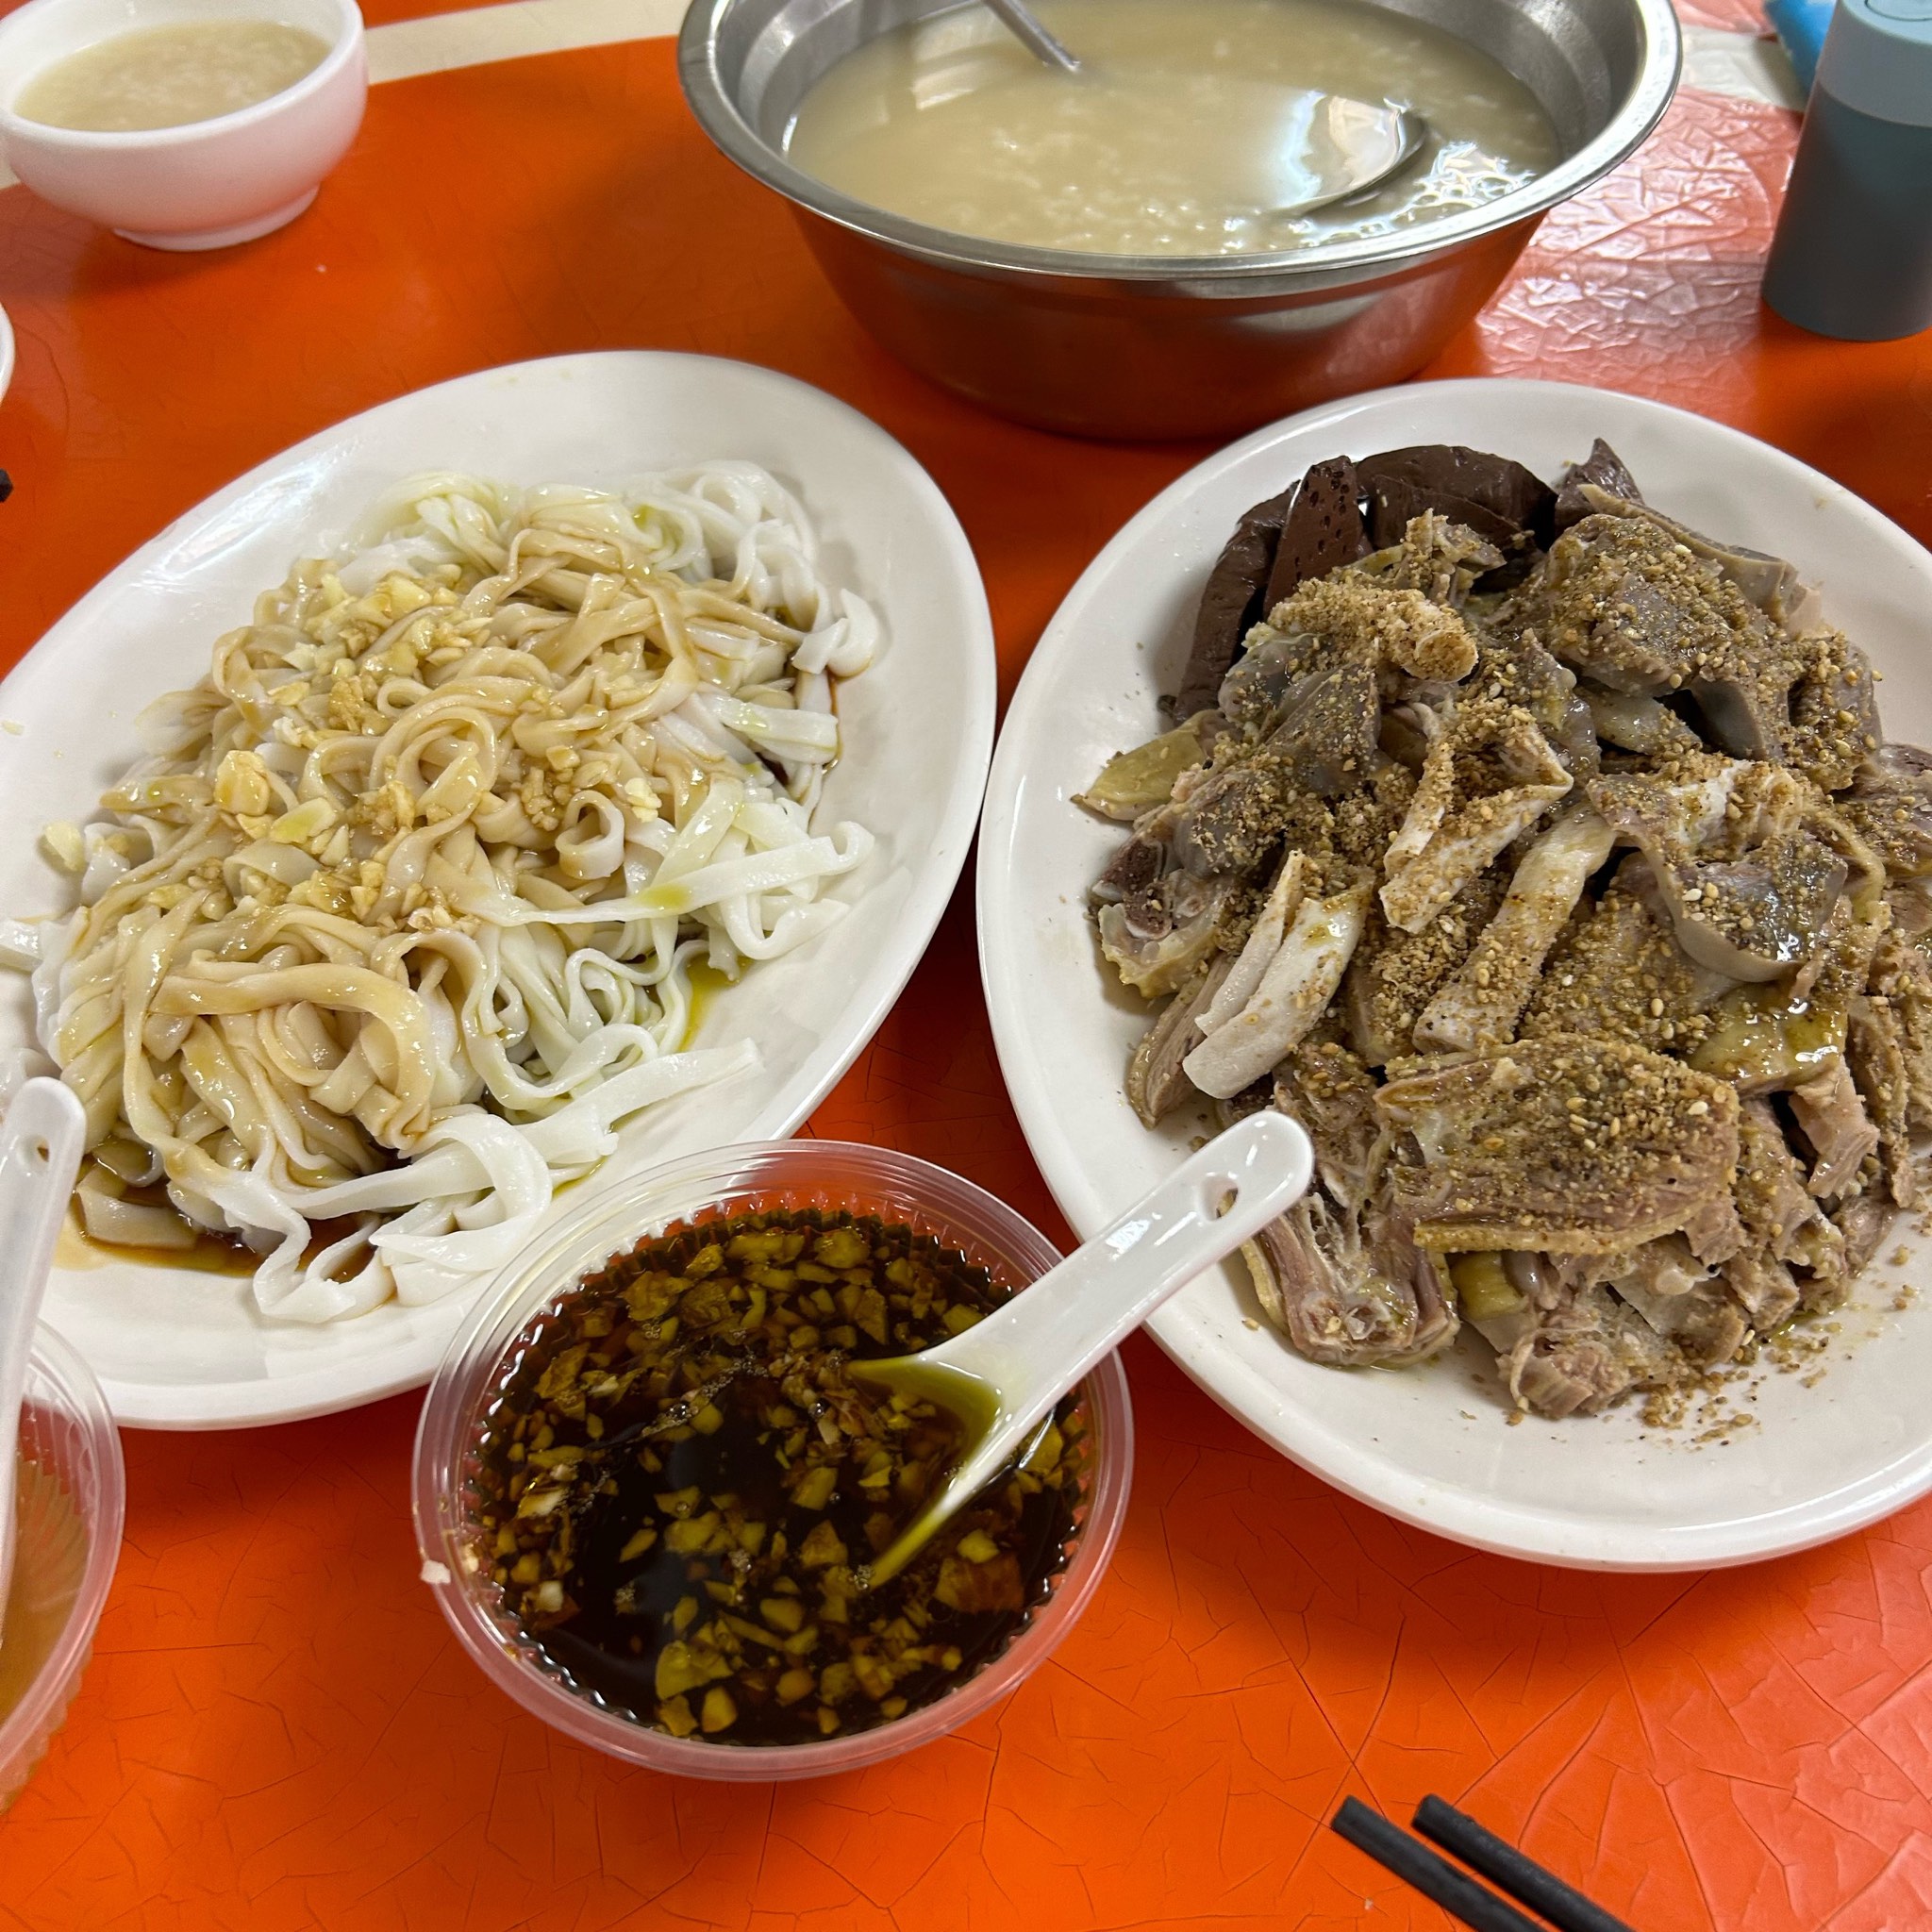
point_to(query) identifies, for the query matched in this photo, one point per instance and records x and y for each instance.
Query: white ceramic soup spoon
(1004, 1375)
(40, 1142)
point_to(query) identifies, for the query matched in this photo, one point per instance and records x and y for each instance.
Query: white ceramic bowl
(206, 184)
(5, 354)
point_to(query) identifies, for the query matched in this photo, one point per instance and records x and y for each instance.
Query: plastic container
(69, 1507)
(1852, 256)
(744, 1179)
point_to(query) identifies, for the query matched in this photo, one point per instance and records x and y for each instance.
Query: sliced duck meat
(1324, 530)
(1876, 1055)
(1715, 1232)
(1569, 1145)
(1231, 599)
(1585, 1354)
(1901, 980)
(1137, 781)
(1832, 1118)
(1603, 469)
(1157, 938)
(1243, 811)
(1625, 606)
(1157, 1081)
(1488, 777)
(1774, 586)
(1498, 499)
(1681, 1298)
(1763, 1286)
(1293, 993)
(1749, 912)
(1482, 1004)
(1862, 1222)
(1833, 702)
(1332, 1094)
(1351, 1290)
(1638, 724)
(1891, 808)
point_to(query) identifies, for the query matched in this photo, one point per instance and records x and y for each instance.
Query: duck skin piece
(1157, 936)
(1394, 974)
(1570, 1146)
(1488, 777)
(1481, 1006)
(1350, 1290)
(1292, 995)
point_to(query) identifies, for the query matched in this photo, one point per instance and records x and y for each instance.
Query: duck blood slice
(1494, 497)
(1230, 603)
(1603, 467)
(1323, 530)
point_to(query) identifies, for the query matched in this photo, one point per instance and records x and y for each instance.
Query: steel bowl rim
(1659, 71)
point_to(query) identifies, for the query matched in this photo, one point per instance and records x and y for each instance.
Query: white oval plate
(1429, 1445)
(175, 1349)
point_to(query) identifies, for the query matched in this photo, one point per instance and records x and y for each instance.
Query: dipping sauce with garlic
(680, 1485)
(1190, 122)
(168, 76)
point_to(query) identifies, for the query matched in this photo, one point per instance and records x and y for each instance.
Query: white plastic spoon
(40, 1142)
(1004, 1375)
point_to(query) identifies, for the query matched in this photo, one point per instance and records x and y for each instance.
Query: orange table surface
(275, 1731)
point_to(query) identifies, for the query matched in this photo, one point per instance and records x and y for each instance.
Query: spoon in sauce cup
(1003, 1376)
(40, 1143)
(1350, 147)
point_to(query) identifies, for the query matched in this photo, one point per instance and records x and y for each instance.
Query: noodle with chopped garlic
(399, 918)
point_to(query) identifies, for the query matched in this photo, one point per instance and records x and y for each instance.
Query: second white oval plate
(1430, 1445)
(175, 1349)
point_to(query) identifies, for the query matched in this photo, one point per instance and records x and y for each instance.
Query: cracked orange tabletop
(276, 1732)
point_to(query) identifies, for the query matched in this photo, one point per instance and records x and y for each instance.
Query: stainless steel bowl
(1119, 346)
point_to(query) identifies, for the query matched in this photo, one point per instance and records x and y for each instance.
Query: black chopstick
(1458, 1893)
(1522, 1877)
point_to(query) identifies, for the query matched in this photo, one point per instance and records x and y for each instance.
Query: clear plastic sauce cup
(755, 1178)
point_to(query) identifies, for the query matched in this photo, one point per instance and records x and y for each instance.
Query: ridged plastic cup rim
(617, 1216)
(25, 1730)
